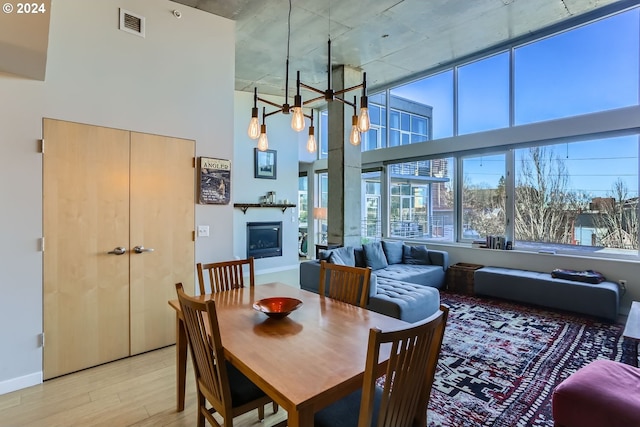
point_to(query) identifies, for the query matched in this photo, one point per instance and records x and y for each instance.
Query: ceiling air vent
(131, 23)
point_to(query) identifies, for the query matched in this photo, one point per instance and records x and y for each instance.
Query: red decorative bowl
(277, 307)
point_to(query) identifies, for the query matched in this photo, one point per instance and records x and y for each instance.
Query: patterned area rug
(500, 361)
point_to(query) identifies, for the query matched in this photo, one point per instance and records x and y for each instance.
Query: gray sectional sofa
(404, 281)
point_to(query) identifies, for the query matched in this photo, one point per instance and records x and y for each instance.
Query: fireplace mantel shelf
(244, 206)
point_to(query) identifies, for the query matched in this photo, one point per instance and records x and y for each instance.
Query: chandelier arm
(311, 101)
(349, 89)
(344, 101)
(311, 88)
(272, 113)
(273, 104)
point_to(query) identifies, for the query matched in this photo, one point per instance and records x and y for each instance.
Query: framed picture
(215, 181)
(265, 164)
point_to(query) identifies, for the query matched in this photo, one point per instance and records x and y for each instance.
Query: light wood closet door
(86, 214)
(103, 189)
(162, 218)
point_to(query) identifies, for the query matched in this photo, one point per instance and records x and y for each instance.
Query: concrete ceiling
(389, 39)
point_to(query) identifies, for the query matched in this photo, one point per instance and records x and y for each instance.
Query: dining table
(305, 361)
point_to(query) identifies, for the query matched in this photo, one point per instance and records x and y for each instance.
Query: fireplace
(264, 239)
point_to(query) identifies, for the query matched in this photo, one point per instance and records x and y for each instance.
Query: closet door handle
(141, 249)
(118, 251)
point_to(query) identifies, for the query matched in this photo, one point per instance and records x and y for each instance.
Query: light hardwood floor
(136, 391)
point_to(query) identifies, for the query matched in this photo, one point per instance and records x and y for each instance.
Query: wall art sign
(215, 181)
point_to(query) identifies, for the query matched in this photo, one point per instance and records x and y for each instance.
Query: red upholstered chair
(602, 394)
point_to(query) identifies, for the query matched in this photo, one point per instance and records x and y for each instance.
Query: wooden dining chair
(345, 283)
(402, 398)
(225, 275)
(229, 392)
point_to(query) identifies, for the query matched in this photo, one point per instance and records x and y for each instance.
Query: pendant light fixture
(360, 122)
(311, 142)
(263, 142)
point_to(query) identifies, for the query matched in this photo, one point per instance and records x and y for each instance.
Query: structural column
(344, 166)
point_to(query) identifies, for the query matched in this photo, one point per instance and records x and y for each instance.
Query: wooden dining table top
(304, 361)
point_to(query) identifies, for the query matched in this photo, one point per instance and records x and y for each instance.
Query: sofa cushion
(343, 256)
(405, 301)
(393, 251)
(415, 255)
(425, 275)
(375, 256)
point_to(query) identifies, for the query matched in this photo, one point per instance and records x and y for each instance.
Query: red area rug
(500, 361)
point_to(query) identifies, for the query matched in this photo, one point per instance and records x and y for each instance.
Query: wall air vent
(131, 23)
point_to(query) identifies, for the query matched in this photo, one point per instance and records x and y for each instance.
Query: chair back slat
(225, 275)
(409, 373)
(203, 335)
(345, 283)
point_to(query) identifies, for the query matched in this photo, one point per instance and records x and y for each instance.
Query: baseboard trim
(18, 383)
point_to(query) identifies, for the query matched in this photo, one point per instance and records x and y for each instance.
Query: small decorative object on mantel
(268, 199)
(215, 181)
(265, 164)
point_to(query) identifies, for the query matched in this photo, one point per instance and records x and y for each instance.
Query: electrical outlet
(623, 284)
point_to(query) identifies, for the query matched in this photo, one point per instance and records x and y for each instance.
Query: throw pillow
(393, 251)
(361, 260)
(375, 256)
(416, 255)
(324, 254)
(587, 276)
(343, 256)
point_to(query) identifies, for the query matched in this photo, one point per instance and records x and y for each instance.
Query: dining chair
(229, 392)
(345, 283)
(398, 396)
(225, 275)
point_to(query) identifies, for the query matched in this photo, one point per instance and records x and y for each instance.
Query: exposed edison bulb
(254, 128)
(297, 121)
(263, 142)
(311, 142)
(354, 136)
(363, 120)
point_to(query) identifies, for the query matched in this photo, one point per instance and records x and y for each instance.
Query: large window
(483, 94)
(321, 214)
(436, 92)
(559, 185)
(421, 199)
(584, 70)
(376, 137)
(483, 197)
(583, 194)
(372, 207)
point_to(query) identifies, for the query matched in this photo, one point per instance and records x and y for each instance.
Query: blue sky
(592, 68)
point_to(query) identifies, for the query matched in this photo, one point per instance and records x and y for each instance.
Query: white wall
(248, 189)
(178, 81)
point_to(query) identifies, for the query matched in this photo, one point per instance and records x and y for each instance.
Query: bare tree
(616, 219)
(545, 207)
(484, 208)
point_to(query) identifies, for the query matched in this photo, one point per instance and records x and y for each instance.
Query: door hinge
(42, 145)
(193, 236)
(42, 244)
(193, 163)
(42, 340)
